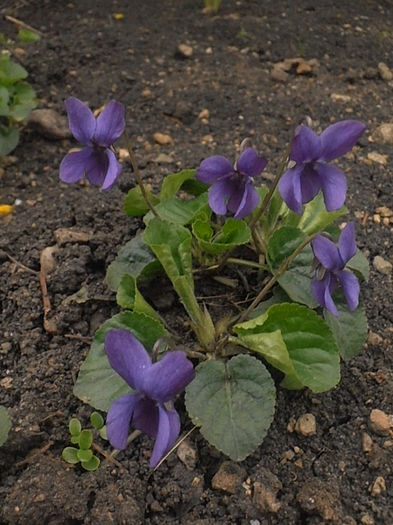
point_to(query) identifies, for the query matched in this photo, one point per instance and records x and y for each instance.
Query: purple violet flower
(150, 408)
(97, 160)
(331, 269)
(232, 187)
(311, 173)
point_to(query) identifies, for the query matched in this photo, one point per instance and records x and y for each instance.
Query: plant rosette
(305, 314)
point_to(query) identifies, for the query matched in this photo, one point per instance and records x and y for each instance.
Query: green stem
(269, 195)
(284, 266)
(138, 175)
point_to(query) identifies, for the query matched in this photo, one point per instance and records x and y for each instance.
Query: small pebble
(382, 266)
(185, 50)
(380, 422)
(385, 72)
(187, 454)
(374, 339)
(205, 113)
(229, 477)
(162, 138)
(367, 443)
(378, 158)
(366, 519)
(306, 425)
(378, 487)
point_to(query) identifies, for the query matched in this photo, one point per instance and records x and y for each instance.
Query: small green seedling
(84, 439)
(5, 425)
(17, 97)
(212, 6)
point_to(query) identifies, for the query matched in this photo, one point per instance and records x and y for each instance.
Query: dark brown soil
(88, 54)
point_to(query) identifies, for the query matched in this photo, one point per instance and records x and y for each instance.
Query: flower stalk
(138, 175)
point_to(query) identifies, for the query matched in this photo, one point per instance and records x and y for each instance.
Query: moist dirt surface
(331, 476)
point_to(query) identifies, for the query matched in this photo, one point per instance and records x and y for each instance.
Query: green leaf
(27, 36)
(92, 464)
(233, 233)
(103, 434)
(129, 297)
(23, 101)
(360, 265)
(85, 439)
(135, 258)
(75, 439)
(5, 425)
(98, 384)
(233, 403)
(296, 281)
(135, 204)
(85, 454)
(70, 455)
(74, 426)
(9, 138)
(314, 218)
(283, 243)
(194, 187)
(171, 244)
(179, 211)
(4, 100)
(96, 420)
(279, 296)
(10, 71)
(172, 183)
(349, 328)
(298, 342)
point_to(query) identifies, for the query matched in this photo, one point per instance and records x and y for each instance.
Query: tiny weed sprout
(302, 313)
(17, 97)
(5, 425)
(83, 454)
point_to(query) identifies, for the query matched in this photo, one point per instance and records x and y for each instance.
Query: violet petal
(118, 419)
(219, 194)
(96, 167)
(250, 163)
(167, 378)
(347, 243)
(110, 124)
(339, 138)
(127, 356)
(146, 417)
(310, 183)
(213, 168)
(327, 253)
(334, 186)
(290, 189)
(168, 426)
(322, 292)
(351, 288)
(306, 145)
(249, 202)
(81, 120)
(113, 171)
(73, 166)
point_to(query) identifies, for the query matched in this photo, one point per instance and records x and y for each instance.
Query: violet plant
(297, 321)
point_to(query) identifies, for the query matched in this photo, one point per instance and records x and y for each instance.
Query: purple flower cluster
(231, 186)
(331, 270)
(150, 408)
(97, 160)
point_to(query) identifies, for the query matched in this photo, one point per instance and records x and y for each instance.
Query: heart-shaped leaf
(233, 233)
(135, 258)
(233, 403)
(349, 328)
(298, 342)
